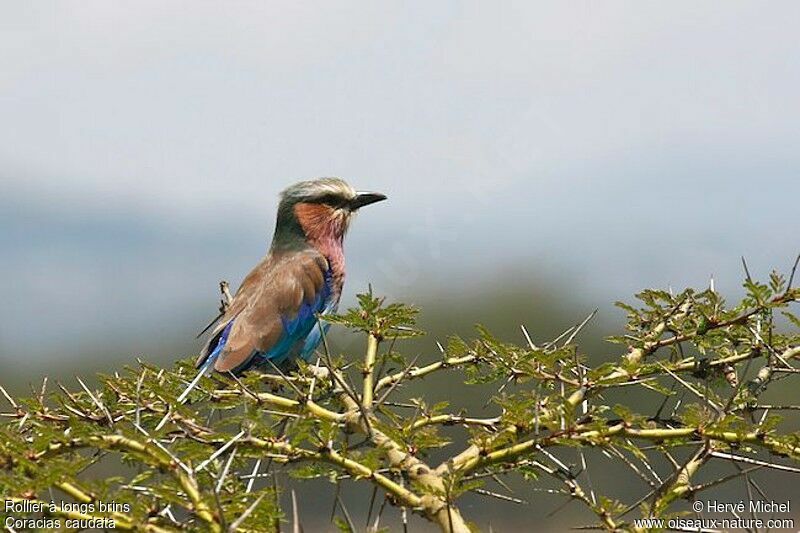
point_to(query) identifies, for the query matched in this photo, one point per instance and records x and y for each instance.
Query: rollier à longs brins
(273, 315)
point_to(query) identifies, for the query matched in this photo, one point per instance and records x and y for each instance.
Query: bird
(272, 318)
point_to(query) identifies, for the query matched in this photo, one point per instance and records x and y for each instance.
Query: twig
(220, 451)
(96, 401)
(369, 368)
(247, 512)
(499, 496)
(296, 527)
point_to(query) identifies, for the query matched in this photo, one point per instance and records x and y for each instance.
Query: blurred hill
(542, 307)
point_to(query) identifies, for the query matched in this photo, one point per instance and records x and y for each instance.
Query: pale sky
(608, 146)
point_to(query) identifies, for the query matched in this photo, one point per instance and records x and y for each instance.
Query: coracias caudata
(273, 315)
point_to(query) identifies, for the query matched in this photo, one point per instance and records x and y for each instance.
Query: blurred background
(541, 160)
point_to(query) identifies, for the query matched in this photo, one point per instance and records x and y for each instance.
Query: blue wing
(273, 316)
(301, 334)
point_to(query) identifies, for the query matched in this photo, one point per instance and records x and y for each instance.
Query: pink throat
(332, 247)
(325, 229)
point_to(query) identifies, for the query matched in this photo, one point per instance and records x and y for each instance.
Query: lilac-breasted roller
(273, 315)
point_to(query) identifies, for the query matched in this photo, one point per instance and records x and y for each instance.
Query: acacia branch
(434, 505)
(369, 371)
(682, 484)
(421, 372)
(546, 393)
(293, 406)
(331, 456)
(149, 455)
(452, 420)
(483, 458)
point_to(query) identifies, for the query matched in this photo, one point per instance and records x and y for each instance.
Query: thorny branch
(201, 463)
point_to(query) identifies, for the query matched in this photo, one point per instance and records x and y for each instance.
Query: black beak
(365, 198)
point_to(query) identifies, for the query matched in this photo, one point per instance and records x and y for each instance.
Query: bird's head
(318, 211)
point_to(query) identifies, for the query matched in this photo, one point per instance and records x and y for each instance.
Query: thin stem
(369, 371)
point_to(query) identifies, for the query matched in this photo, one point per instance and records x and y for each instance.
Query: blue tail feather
(209, 362)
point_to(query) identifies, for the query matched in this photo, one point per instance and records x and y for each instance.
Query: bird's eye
(333, 200)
